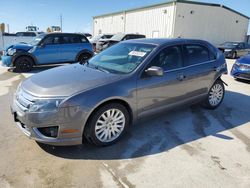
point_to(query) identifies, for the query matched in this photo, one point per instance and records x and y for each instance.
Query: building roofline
(172, 2)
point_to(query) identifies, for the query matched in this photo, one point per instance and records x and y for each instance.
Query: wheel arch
(83, 52)
(119, 101)
(24, 55)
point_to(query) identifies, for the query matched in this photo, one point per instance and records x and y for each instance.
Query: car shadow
(167, 131)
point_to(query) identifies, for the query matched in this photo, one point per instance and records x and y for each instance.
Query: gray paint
(85, 89)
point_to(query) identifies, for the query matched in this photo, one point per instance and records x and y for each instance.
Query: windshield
(230, 44)
(117, 37)
(122, 58)
(36, 40)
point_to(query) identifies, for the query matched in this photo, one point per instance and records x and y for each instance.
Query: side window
(75, 39)
(241, 46)
(52, 40)
(195, 54)
(168, 59)
(82, 39)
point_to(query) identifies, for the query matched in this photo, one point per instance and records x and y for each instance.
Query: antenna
(61, 20)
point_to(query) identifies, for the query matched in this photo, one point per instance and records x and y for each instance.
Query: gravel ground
(188, 147)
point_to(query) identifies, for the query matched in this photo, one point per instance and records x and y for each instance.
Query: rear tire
(215, 95)
(107, 124)
(24, 64)
(84, 57)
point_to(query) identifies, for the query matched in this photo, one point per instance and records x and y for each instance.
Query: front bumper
(29, 124)
(6, 60)
(236, 72)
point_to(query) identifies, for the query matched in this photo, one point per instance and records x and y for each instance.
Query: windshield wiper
(101, 69)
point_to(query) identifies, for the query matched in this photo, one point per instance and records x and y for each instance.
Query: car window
(122, 58)
(195, 54)
(168, 59)
(52, 40)
(71, 39)
(83, 39)
(241, 46)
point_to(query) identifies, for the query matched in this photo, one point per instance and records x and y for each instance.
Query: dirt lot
(189, 147)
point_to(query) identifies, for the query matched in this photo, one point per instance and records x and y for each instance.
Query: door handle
(181, 77)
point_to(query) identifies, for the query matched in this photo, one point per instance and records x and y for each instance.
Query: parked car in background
(241, 68)
(95, 39)
(105, 43)
(88, 35)
(234, 49)
(48, 49)
(26, 34)
(134, 79)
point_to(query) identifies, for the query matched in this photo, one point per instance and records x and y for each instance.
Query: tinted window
(71, 39)
(83, 39)
(52, 40)
(241, 46)
(169, 58)
(195, 54)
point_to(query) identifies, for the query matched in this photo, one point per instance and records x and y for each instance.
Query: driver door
(49, 51)
(156, 93)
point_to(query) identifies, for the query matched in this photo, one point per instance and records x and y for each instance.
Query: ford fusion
(99, 99)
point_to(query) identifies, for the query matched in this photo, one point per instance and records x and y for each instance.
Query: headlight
(228, 50)
(45, 105)
(11, 51)
(32, 49)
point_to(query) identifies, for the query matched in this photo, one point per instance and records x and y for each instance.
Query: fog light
(49, 131)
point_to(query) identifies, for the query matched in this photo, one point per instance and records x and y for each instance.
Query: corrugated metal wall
(152, 22)
(109, 24)
(211, 23)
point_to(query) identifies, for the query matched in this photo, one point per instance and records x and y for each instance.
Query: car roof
(59, 33)
(165, 41)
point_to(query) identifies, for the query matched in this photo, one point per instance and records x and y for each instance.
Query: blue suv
(48, 49)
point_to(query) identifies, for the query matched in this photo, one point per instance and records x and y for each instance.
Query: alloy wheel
(215, 95)
(110, 125)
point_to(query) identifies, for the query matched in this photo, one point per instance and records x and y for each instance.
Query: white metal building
(186, 19)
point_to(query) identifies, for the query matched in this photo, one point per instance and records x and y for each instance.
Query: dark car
(105, 43)
(129, 81)
(234, 49)
(97, 38)
(241, 68)
(46, 49)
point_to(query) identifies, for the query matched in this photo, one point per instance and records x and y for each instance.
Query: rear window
(195, 54)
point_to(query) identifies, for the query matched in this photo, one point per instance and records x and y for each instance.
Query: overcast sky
(77, 14)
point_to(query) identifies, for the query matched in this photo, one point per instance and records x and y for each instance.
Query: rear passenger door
(199, 69)
(69, 48)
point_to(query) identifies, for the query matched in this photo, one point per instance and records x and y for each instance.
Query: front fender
(23, 53)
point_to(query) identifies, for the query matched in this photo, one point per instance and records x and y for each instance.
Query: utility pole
(61, 20)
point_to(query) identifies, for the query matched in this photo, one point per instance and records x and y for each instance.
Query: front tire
(24, 64)
(215, 95)
(107, 124)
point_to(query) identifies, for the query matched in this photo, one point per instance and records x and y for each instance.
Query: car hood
(21, 46)
(245, 59)
(66, 80)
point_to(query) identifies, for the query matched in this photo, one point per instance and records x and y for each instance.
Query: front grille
(23, 100)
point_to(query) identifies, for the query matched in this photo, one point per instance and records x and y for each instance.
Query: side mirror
(154, 71)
